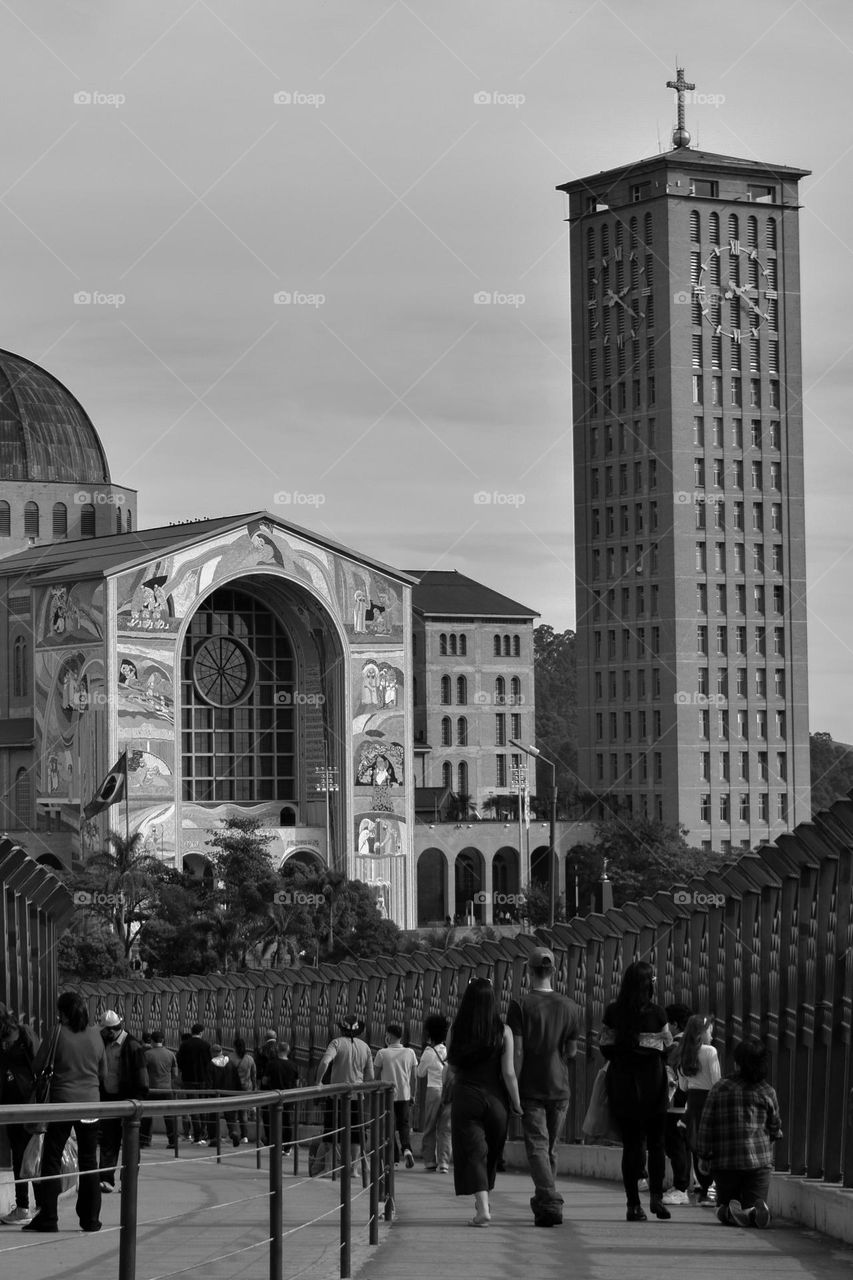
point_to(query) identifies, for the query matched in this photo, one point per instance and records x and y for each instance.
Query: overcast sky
(146, 162)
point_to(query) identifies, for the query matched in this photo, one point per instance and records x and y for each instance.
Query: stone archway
(506, 884)
(432, 888)
(470, 885)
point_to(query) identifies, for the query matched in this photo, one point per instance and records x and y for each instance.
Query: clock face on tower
(610, 291)
(750, 301)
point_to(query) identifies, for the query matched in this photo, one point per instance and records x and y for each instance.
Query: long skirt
(478, 1127)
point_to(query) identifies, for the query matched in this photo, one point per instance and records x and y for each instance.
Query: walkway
(430, 1240)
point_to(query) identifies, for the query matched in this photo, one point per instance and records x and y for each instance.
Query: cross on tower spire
(680, 136)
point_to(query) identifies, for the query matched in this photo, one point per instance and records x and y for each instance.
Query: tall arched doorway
(432, 887)
(470, 884)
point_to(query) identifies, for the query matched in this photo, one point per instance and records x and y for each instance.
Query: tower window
(87, 521)
(31, 520)
(5, 520)
(60, 519)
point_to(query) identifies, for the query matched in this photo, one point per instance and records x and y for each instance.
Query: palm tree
(122, 879)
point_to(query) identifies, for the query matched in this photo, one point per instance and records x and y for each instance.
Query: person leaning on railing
(18, 1049)
(78, 1070)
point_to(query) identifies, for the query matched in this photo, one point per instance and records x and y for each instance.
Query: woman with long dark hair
(17, 1053)
(634, 1039)
(78, 1071)
(482, 1079)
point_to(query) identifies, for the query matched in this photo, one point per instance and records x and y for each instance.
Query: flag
(112, 789)
(526, 803)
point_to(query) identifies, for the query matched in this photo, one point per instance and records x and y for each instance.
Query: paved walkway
(430, 1240)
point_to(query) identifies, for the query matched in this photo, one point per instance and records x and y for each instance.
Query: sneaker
(90, 1226)
(712, 1193)
(723, 1215)
(643, 1184)
(548, 1220)
(202, 1142)
(244, 1141)
(107, 1187)
(742, 1217)
(673, 1196)
(38, 1223)
(443, 1168)
(16, 1217)
(762, 1214)
(235, 1142)
(409, 1159)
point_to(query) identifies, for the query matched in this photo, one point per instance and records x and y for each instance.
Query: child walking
(397, 1064)
(740, 1121)
(698, 1072)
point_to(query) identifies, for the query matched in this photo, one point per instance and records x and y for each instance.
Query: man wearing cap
(545, 1027)
(125, 1076)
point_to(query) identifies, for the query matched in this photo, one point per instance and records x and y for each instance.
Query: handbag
(599, 1123)
(69, 1168)
(42, 1083)
(447, 1081)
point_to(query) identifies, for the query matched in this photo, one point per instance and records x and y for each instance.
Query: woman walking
(436, 1132)
(698, 1072)
(482, 1078)
(78, 1071)
(17, 1052)
(634, 1040)
(247, 1073)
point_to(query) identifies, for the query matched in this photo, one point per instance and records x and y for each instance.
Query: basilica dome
(45, 434)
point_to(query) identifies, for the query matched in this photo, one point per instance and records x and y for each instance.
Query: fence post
(218, 1131)
(374, 1168)
(276, 1192)
(336, 1128)
(388, 1115)
(129, 1194)
(297, 1107)
(346, 1187)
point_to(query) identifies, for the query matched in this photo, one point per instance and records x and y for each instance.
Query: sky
(254, 240)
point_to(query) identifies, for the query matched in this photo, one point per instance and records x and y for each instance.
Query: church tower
(688, 483)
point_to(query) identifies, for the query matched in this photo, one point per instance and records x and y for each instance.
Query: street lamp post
(326, 781)
(552, 851)
(519, 779)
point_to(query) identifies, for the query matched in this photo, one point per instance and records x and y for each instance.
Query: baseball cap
(351, 1026)
(541, 958)
(111, 1019)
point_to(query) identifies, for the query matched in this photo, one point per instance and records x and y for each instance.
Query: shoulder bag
(42, 1083)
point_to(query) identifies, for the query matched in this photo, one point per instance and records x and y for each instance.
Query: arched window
(463, 646)
(445, 691)
(60, 520)
(5, 520)
(497, 646)
(118, 519)
(605, 239)
(507, 647)
(733, 226)
(128, 524)
(714, 228)
(462, 732)
(442, 645)
(515, 690)
(694, 227)
(19, 679)
(23, 799)
(647, 228)
(516, 646)
(453, 647)
(447, 775)
(634, 226)
(500, 691)
(752, 232)
(87, 521)
(770, 234)
(461, 691)
(463, 779)
(31, 520)
(446, 732)
(287, 817)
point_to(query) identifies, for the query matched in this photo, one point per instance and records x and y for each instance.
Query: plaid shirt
(738, 1124)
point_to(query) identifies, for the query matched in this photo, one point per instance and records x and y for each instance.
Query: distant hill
(831, 770)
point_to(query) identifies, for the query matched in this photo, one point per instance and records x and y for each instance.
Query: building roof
(97, 557)
(685, 158)
(45, 433)
(449, 594)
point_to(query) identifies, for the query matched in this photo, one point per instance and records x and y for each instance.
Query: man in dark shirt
(281, 1073)
(194, 1063)
(545, 1028)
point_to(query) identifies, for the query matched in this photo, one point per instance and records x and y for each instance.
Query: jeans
(675, 1144)
(146, 1122)
(542, 1123)
(745, 1185)
(637, 1131)
(436, 1136)
(402, 1111)
(18, 1142)
(88, 1187)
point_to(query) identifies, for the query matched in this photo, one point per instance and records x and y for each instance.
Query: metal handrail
(379, 1125)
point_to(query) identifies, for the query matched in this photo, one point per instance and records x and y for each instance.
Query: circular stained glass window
(223, 671)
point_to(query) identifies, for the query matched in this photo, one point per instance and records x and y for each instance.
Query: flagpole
(126, 803)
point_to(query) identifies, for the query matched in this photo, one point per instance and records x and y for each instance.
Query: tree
(643, 857)
(90, 956)
(831, 770)
(246, 881)
(177, 937)
(120, 883)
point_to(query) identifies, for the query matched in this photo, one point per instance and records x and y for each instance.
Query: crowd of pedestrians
(664, 1088)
